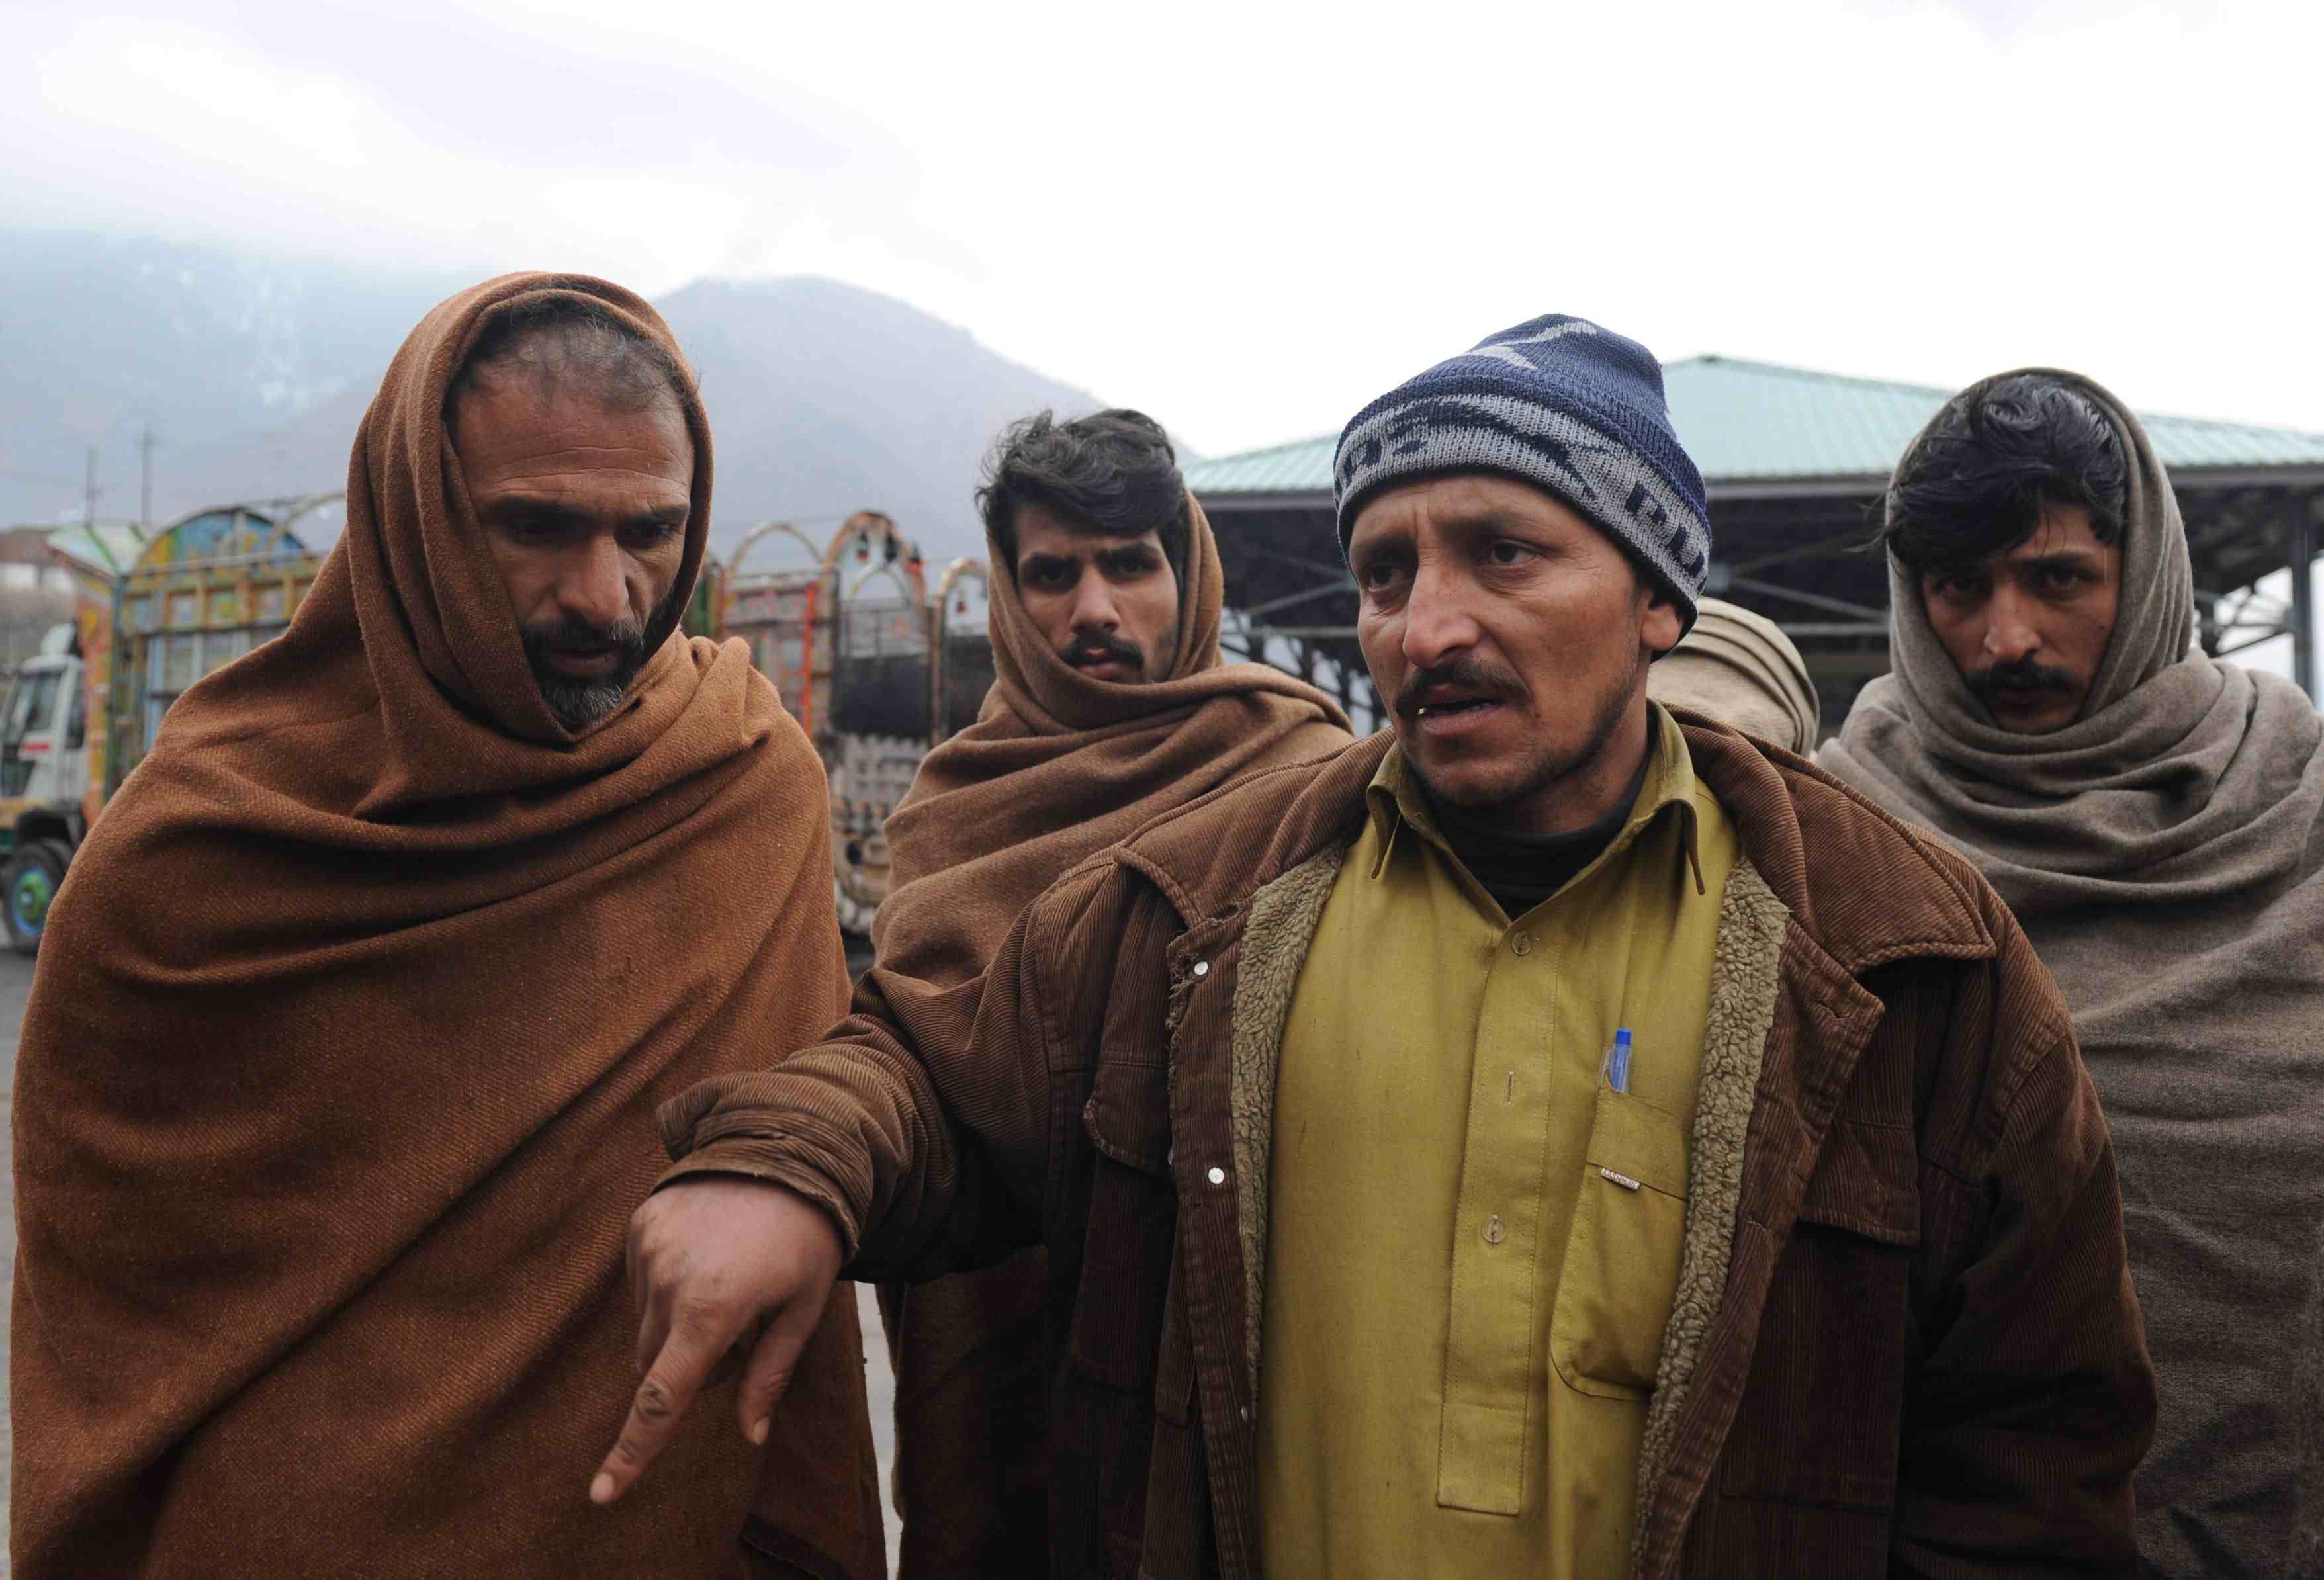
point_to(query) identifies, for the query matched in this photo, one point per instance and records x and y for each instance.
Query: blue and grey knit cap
(1559, 403)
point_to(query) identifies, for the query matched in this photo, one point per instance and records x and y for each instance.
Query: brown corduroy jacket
(1904, 1340)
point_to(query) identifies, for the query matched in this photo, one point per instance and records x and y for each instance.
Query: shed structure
(1795, 463)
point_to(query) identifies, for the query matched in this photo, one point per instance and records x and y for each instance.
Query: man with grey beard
(584, 587)
(340, 1073)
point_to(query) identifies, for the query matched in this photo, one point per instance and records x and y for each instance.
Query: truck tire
(29, 887)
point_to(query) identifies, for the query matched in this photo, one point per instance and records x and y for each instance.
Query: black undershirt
(1522, 870)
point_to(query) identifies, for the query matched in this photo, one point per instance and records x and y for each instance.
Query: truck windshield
(32, 703)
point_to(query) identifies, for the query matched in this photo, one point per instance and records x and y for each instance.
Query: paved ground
(15, 987)
(877, 1378)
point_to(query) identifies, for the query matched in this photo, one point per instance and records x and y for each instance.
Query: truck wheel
(31, 884)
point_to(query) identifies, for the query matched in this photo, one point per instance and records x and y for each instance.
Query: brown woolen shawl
(2165, 853)
(1058, 767)
(337, 1086)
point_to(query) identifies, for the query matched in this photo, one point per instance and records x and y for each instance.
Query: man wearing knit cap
(1547, 1138)
(1110, 706)
(2156, 818)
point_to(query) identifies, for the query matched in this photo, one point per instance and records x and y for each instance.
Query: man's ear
(1660, 624)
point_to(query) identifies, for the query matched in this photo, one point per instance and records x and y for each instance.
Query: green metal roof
(1747, 421)
(1300, 466)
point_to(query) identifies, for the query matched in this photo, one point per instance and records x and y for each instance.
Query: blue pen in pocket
(1617, 1060)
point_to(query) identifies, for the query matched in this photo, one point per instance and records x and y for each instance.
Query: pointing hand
(718, 1263)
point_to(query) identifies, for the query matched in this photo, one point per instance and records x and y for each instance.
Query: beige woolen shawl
(2163, 854)
(1058, 767)
(1739, 668)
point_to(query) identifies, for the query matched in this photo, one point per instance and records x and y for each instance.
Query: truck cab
(43, 778)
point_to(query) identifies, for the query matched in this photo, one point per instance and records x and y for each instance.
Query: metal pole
(2302, 556)
(89, 492)
(145, 478)
(937, 656)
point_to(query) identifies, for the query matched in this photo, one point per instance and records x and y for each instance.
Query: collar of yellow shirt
(1398, 802)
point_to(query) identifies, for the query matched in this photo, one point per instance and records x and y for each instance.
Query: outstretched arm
(913, 1140)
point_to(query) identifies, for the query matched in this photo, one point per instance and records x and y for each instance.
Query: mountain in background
(824, 399)
(100, 336)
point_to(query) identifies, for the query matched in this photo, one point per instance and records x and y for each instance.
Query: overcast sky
(1249, 219)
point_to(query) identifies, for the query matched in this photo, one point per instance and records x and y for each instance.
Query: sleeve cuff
(772, 1161)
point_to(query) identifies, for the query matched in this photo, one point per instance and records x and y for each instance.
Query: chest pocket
(1619, 1278)
(1822, 1414)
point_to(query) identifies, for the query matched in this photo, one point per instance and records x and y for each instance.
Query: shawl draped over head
(1739, 668)
(2165, 856)
(337, 1087)
(1058, 767)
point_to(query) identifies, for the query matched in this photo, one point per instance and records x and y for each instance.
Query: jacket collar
(1864, 887)
(1811, 838)
(1396, 801)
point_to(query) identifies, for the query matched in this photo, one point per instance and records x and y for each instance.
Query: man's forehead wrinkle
(2047, 543)
(580, 449)
(2037, 550)
(1065, 529)
(561, 463)
(1494, 520)
(1405, 527)
(560, 504)
(2046, 546)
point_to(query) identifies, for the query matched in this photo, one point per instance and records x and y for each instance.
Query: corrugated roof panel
(1301, 465)
(1743, 420)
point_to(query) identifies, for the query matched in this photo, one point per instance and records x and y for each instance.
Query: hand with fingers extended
(718, 1263)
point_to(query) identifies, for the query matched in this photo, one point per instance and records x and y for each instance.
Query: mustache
(1469, 673)
(571, 631)
(2020, 675)
(1097, 646)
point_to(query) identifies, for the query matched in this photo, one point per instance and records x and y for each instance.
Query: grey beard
(579, 704)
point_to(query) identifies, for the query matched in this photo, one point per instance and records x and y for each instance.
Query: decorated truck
(874, 663)
(151, 616)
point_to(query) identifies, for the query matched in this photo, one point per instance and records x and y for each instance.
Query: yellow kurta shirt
(1474, 1241)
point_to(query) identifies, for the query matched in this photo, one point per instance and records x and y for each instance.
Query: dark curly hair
(1112, 472)
(1993, 462)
